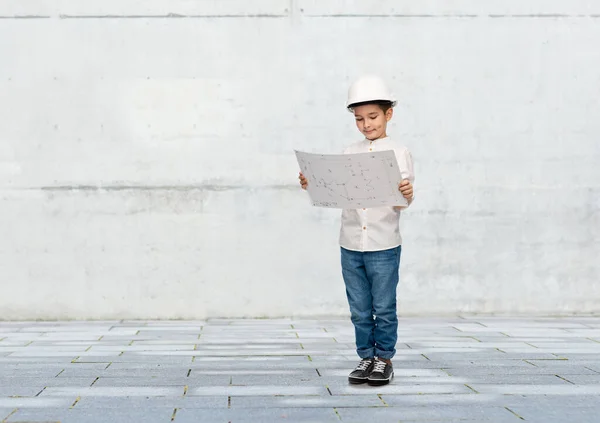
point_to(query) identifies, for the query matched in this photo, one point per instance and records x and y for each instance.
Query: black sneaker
(382, 373)
(362, 371)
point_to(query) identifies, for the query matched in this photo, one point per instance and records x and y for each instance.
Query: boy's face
(372, 121)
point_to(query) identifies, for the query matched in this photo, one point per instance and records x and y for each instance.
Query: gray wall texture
(147, 166)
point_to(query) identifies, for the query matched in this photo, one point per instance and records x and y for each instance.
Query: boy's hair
(384, 105)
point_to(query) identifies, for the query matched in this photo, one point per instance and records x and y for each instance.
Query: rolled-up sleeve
(405, 163)
(407, 170)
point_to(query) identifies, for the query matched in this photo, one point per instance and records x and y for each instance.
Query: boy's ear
(389, 114)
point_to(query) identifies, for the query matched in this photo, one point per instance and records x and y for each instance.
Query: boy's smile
(372, 121)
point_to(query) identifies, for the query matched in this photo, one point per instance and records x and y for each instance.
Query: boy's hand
(303, 181)
(406, 189)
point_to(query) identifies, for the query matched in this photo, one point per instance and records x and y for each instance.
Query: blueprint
(352, 181)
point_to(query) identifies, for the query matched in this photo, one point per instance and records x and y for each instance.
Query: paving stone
(530, 370)
(582, 379)
(146, 415)
(467, 344)
(307, 401)
(396, 400)
(254, 347)
(71, 327)
(37, 360)
(457, 421)
(82, 372)
(571, 344)
(253, 415)
(139, 381)
(100, 391)
(162, 326)
(51, 368)
(143, 366)
(209, 380)
(32, 372)
(134, 358)
(505, 354)
(51, 348)
(41, 382)
(565, 363)
(75, 343)
(429, 413)
(585, 332)
(158, 348)
(270, 379)
(238, 353)
(41, 415)
(19, 391)
(36, 402)
(165, 332)
(6, 342)
(566, 389)
(487, 364)
(538, 323)
(146, 372)
(300, 373)
(153, 402)
(553, 401)
(73, 354)
(528, 339)
(481, 357)
(535, 413)
(58, 337)
(529, 379)
(149, 340)
(258, 390)
(168, 323)
(200, 367)
(397, 388)
(563, 352)
(533, 356)
(28, 337)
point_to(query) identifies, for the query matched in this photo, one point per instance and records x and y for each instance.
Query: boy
(370, 241)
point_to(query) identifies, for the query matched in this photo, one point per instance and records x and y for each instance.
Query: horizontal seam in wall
(26, 17)
(279, 16)
(171, 16)
(167, 16)
(469, 16)
(208, 187)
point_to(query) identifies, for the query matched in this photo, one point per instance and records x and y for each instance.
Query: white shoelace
(379, 366)
(363, 365)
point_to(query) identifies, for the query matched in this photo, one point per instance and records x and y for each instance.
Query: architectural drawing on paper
(352, 181)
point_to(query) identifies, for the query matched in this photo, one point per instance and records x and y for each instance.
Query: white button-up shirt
(377, 228)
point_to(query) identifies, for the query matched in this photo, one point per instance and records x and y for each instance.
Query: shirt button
(364, 209)
(370, 149)
(364, 227)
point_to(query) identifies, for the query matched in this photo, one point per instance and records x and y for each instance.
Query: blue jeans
(371, 280)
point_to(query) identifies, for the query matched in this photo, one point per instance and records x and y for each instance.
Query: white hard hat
(369, 88)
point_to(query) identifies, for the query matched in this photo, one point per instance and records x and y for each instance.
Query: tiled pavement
(473, 369)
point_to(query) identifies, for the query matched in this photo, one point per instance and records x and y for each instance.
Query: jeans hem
(366, 353)
(387, 355)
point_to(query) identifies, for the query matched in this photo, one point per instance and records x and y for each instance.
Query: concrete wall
(147, 167)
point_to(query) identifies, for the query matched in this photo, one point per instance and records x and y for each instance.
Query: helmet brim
(371, 101)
